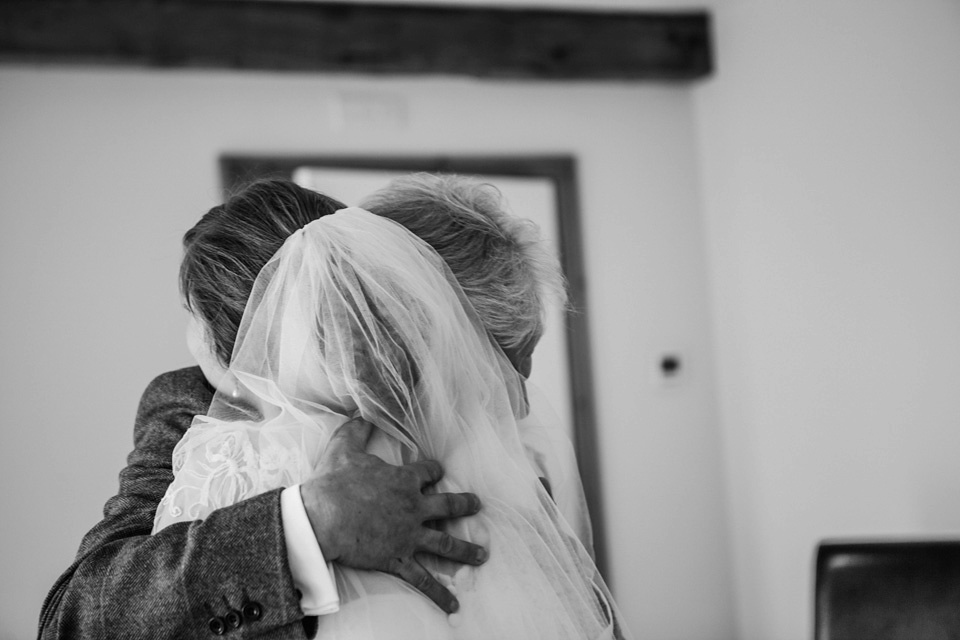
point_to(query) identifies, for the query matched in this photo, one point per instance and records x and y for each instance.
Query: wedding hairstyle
(498, 258)
(225, 250)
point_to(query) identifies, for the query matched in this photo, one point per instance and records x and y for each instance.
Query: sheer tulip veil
(357, 316)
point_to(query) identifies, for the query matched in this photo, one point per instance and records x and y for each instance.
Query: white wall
(102, 171)
(814, 178)
(831, 192)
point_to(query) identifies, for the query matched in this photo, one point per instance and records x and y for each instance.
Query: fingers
(412, 572)
(353, 434)
(443, 544)
(429, 471)
(443, 506)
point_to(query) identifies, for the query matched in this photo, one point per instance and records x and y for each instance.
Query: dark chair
(887, 591)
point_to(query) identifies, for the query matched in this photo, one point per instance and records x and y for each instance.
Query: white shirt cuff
(312, 575)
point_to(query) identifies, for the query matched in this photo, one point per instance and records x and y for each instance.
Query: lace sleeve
(218, 463)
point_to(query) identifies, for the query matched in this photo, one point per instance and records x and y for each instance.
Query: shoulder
(173, 398)
(182, 384)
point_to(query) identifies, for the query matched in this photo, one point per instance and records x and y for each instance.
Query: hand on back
(368, 514)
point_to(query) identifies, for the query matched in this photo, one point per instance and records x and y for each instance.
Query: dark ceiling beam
(341, 37)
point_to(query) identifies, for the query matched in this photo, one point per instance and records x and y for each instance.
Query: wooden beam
(342, 37)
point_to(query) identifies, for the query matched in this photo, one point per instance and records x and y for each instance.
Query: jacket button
(217, 626)
(252, 611)
(233, 619)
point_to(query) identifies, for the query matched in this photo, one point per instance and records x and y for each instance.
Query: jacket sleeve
(226, 575)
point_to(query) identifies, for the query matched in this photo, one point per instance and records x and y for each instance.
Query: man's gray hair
(498, 258)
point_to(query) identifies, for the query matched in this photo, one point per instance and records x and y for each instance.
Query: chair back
(888, 591)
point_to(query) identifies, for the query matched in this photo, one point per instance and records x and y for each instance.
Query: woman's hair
(498, 259)
(225, 250)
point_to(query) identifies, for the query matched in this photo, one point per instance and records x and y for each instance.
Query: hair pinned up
(225, 250)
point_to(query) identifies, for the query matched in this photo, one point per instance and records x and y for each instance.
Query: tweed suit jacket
(227, 575)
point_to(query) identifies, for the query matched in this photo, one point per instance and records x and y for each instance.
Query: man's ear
(526, 366)
(546, 485)
(522, 362)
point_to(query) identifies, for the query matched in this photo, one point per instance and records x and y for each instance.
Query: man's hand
(368, 514)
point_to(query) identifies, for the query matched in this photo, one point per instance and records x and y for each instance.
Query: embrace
(355, 455)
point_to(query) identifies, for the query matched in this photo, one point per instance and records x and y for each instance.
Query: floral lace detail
(230, 469)
(216, 465)
(275, 463)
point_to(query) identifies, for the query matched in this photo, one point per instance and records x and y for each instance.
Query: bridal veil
(357, 316)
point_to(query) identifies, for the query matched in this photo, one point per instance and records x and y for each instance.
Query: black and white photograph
(480, 319)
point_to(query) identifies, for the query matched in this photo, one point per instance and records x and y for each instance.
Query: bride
(357, 317)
